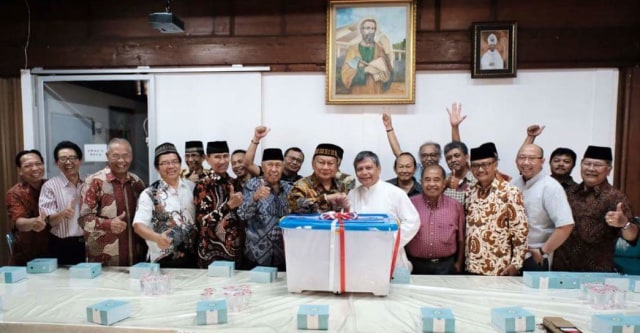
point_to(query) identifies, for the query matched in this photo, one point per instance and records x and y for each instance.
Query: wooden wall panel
(627, 157)
(426, 12)
(305, 17)
(259, 18)
(459, 14)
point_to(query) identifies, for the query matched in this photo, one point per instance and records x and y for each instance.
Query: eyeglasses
(432, 155)
(484, 165)
(116, 157)
(588, 165)
(530, 158)
(168, 163)
(65, 159)
(295, 159)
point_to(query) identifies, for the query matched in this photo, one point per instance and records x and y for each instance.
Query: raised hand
(386, 120)
(535, 130)
(260, 132)
(455, 114)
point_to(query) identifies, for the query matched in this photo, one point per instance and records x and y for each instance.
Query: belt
(433, 260)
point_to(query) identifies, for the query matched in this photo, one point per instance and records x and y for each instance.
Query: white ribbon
(96, 316)
(544, 282)
(520, 324)
(332, 255)
(439, 325)
(313, 321)
(212, 316)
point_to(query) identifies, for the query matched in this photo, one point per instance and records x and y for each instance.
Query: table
(54, 302)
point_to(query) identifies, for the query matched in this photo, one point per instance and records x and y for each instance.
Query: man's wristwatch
(544, 255)
(627, 226)
(47, 219)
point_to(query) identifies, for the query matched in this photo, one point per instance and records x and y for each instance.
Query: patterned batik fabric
(221, 232)
(264, 245)
(104, 197)
(22, 202)
(308, 195)
(591, 245)
(497, 228)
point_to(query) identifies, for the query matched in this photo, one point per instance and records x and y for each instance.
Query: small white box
(513, 319)
(221, 268)
(137, 270)
(42, 265)
(211, 312)
(108, 312)
(263, 274)
(313, 250)
(438, 320)
(313, 317)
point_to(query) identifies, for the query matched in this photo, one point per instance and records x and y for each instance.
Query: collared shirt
(264, 245)
(289, 179)
(161, 207)
(496, 228)
(55, 196)
(385, 198)
(441, 228)
(415, 189)
(460, 193)
(546, 205)
(566, 182)
(591, 245)
(22, 202)
(308, 195)
(105, 197)
(221, 233)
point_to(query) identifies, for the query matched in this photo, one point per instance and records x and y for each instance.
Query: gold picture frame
(370, 52)
(494, 49)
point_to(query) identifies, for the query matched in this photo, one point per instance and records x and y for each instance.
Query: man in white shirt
(492, 58)
(165, 217)
(376, 196)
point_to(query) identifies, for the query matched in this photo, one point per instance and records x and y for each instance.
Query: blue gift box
(137, 270)
(615, 323)
(12, 274)
(551, 280)
(513, 319)
(221, 268)
(401, 275)
(438, 320)
(263, 274)
(313, 317)
(595, 277)
(42, 265)
(108, 312)
(211, 312)
(86, 270)
(634, 283)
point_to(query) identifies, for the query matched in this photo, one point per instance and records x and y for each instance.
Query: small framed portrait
(494, 49)
(370, 52)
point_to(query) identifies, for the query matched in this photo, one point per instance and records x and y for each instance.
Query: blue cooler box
(513, 319)
(12, 274)
(313, 265)
(615, 323)
(86, 270)
(42, 265)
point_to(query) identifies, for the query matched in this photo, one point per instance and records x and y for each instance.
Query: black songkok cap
(217, 147)
(272, 154)
(599, 153)
(328, 149)
(165, 148)
(486, 150)
(194, 147)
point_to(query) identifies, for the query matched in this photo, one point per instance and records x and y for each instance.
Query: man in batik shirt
(497, 226)
(602, 214)
(193, 155)
(322, 191)
(264, 204)
(27, 225)
(221, 232)
(108, 205)
(166, 215)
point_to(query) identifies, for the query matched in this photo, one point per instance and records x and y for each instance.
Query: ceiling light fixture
(166, 22)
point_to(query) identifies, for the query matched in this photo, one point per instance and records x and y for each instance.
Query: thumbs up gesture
(616, 218)
(118, 224)
(262, 191)
(452, 182)
(163, 240)
(70, 210)
(39, 222)
(235, 199)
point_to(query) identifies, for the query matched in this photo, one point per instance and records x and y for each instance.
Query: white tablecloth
(54, 302)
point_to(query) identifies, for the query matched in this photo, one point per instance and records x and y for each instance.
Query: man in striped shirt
(59, 200)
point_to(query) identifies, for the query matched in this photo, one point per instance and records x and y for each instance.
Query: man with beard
(602, 214)
(561, 162)
(193, 155)
(237, 166)
(263, 205)
(367, 69)
(221, 232)
(377, 197)
(497, 226)
(405, 166)
(322, 191)
(548, 212)
(109, 199)
(60, 201)
(293, 158)
(27, 225)
(165, 217)
(429, 152)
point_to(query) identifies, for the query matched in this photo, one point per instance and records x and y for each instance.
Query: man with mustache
(293, 158)
(237, 166)
(602, 214)
(193, 155)
(405, 166)
(367, 68)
